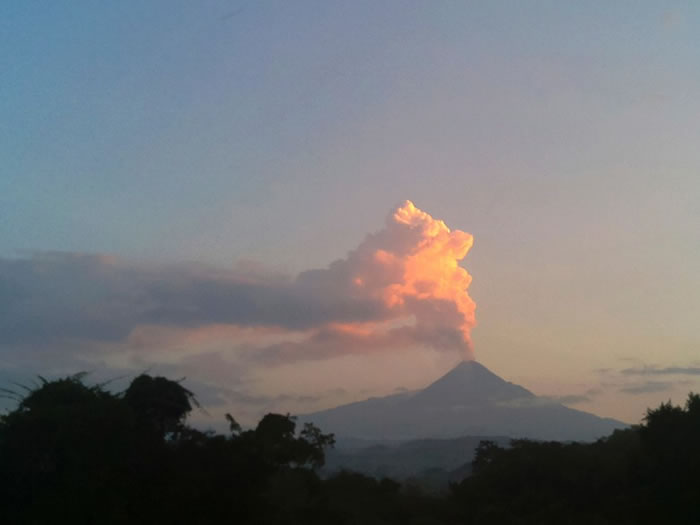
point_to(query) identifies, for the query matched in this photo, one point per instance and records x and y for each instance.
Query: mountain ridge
(467, 400)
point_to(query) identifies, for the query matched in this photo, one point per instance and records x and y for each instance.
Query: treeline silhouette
(80, 454)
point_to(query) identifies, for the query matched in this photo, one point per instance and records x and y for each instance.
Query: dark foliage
(75, 453)
(646, 474)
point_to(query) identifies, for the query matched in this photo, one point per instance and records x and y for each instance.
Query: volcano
(469, 400)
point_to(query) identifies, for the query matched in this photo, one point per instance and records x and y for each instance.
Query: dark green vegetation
(78, 454)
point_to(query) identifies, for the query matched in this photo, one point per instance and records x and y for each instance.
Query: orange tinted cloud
(431, 271)
(402, 287)
(411, 269)
(421, 255)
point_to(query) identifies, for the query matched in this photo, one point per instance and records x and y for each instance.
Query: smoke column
(412, 267)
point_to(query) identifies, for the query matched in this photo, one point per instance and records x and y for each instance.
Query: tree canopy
(646, 474)
(71, 452)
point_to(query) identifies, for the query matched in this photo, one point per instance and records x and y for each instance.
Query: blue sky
(562, 135)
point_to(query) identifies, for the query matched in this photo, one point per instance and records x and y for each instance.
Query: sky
(194, 189)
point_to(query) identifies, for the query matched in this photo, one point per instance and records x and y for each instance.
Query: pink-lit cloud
(401, 287)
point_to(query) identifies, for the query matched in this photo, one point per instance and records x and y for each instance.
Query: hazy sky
(203, 156)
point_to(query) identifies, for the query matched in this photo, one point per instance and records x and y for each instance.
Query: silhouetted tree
(62, 454)
(76, 453)
(159, 403)
(72, 452)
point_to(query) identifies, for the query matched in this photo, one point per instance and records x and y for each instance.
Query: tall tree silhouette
(160, 403)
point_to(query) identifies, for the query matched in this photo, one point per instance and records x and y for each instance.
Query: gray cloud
(55, 297)
(671, 370)
(646, 388)
(619, 379)
(215, 396)
(401, 287)
(233, 393)
(571, 399)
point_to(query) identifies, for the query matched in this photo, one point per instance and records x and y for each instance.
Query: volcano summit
(469, 400)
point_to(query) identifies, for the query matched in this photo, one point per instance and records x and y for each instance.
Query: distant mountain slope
(470, 400)
(402, 460)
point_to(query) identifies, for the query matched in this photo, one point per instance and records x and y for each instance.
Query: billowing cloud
(402, 286)
(412, 268)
